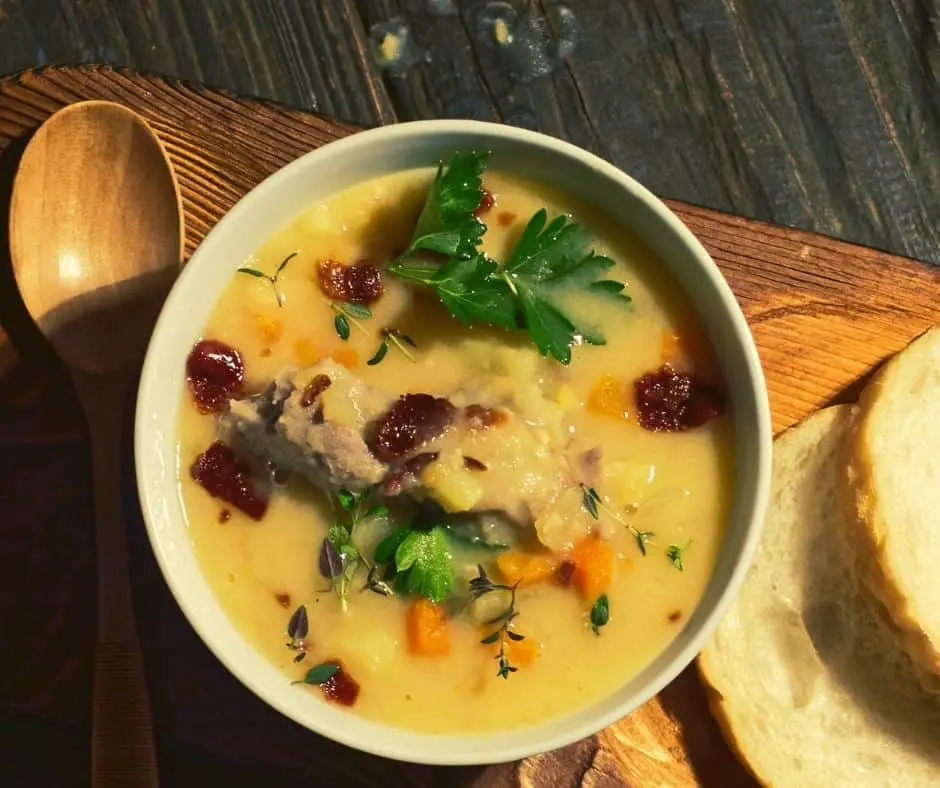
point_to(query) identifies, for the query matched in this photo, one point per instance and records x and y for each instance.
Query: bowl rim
(492, 746)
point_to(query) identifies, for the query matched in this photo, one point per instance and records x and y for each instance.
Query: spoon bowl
(95, 233)
(96, 238)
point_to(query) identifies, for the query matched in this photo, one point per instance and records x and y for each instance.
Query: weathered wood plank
(820, 114)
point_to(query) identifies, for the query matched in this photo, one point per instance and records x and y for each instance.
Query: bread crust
(867, 526)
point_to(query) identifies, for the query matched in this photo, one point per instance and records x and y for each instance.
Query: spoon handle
(123, 753)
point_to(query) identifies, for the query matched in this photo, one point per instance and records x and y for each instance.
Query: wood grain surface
(819, 114)
(823, 312)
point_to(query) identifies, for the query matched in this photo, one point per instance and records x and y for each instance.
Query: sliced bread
(806, 673)
(893, 476)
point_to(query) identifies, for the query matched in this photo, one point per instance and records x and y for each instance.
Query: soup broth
(655, 501)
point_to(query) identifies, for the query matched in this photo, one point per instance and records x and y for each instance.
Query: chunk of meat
(311, 422)
(325, 425)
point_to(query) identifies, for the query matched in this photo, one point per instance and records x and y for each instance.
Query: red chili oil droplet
(340, 688)
(668, 401)
(224, 516)
(675, 615)
(226, 477)
(283, 599)
(412, 421)
(215, 373)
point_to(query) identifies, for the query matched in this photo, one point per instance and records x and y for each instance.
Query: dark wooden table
(820, 114)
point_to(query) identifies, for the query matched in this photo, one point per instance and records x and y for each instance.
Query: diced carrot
(671, 344)
(609, 397)
(526, 568)
(593, 566)
(428, 630)
(520, 653)
(346, 356)
(306, 352)
(270, 328)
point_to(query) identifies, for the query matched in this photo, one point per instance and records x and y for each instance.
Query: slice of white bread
(806, 673)
(893, 475)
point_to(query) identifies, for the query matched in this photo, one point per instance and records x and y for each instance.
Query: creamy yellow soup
(672, 484)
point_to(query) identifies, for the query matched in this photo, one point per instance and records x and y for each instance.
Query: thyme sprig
(594, 504)
(340, 559)
(398, 339)
(349, 313)
(272, 278)
(482, 585)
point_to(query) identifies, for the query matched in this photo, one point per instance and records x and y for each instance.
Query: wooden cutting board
(824, 314)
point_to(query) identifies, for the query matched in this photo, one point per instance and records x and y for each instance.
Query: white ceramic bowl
(327, 171)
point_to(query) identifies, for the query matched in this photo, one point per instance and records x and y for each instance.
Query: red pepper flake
(412, 421)
(674, 616)
(340, 688)
(478, 417)
(564, 574)
(224, 515)
(668, 401)
(360, 282)
(224, 476)
(314, 389)
(505, 218)
(214, 373)
(487, 203)
(283, 599)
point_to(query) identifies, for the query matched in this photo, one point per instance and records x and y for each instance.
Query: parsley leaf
(675, 554)
(447, 224)
(425, 556)
(600, 614)
(549, 259)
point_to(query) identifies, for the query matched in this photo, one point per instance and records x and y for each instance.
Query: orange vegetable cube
(306, 352)
(346, 356)
(593, 567)
(526, 568)
(609, 397)
(671, 345)
(270, 328)
(520, 653)
(428, 629)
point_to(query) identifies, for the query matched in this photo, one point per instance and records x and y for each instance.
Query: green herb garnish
(319, 674)
(347, 314)
(675, 554)
(600, 613)
(642, 538)
(424, 562)
(272, 278)
(340, 559)
(589, 500)
(399, 340)
(549, 259)
(594, 504)
(482, 585)
(297, 628)
(447, 224)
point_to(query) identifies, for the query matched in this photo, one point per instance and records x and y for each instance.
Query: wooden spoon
(96, 239)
